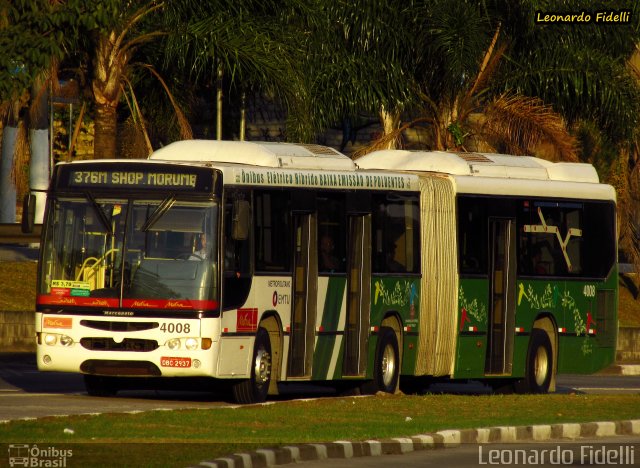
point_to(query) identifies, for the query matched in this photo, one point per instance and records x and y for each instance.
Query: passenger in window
(328, 261)
(539, 266)
(393, 266)
(201, 245)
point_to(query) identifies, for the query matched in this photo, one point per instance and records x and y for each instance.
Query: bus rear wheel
(387, 363)
(539, 370)
(254, 389)
(100, 386)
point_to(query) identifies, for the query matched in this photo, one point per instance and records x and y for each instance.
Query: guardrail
(12, 234)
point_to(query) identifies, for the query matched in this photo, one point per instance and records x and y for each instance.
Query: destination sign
(132, 179)
(135, 176)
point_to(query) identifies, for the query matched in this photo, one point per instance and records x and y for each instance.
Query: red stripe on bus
(47, 299)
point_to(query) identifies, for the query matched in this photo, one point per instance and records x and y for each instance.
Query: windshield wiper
(162, 208)
(101, 214)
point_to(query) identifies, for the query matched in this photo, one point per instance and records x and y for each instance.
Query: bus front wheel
(539, 370)
(254, 389)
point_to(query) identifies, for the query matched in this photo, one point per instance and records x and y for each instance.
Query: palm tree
(240, 45)
(350, 56)
(479, 69)
(113, 49)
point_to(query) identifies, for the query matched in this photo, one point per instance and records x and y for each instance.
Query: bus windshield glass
(132, 253)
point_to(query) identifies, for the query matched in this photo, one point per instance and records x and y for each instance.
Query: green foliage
(326, 60)
(30, 39)
(349, 56)
(38, 33)
(581, 69)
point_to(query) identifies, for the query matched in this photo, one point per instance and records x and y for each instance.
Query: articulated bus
(250, 264)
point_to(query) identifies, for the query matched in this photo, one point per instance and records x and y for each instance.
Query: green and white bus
(250, 264)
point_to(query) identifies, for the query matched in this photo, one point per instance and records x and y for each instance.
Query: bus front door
(305, 281)
(502, 251)
(358, 295)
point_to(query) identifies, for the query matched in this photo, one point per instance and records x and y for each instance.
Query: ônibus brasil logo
(41, 457)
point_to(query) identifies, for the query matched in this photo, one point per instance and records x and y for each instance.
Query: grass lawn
(18, 281)
(180, 438)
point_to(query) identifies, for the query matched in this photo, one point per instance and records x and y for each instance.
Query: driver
(201, 244)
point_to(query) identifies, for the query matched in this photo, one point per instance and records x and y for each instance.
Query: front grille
(105, 325)
(128, 344)
(122, 368)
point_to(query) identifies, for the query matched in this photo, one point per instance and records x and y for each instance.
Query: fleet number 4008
(175, 328)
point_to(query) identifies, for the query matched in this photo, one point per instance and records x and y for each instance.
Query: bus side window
(472, 235)
(272, 227)
(331, 233)
(236, 255)
(396, 234)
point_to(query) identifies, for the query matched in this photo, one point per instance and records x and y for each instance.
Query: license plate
(175, 362)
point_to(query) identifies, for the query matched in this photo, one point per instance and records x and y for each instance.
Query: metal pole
(243, 115)
(219, 104)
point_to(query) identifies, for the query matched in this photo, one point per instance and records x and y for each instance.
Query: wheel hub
(388, 365)
(262, 366)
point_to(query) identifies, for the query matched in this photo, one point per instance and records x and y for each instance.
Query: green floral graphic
(477, 310)
(569, 302)
(548, 300)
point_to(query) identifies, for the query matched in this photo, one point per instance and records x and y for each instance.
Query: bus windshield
(132, 253)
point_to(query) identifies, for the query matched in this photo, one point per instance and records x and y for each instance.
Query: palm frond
(489, 58)
(185, 128)
(385, 139)
(136, 116)
(580, 82)
(521, 123)
(119, 44)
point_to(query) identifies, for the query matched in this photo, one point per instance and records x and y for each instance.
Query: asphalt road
(27, 393)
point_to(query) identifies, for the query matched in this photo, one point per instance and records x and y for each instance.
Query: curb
(622, 369)
(341, 449)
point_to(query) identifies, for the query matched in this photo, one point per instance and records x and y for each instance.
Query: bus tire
(254, 389)
(100, 386)
(386, 369)
(539, 365)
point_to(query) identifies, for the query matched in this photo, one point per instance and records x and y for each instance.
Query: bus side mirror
(28, 213)
(241, 220)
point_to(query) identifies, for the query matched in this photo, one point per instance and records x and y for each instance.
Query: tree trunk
(447, 114)
(108, 65)
(104, 143)
(7, 187)
(390, 121)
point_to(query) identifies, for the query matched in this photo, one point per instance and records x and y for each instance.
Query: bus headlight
(50, 339)
(191, 344)
(66, 340)
(174, 343)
